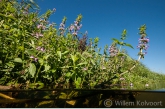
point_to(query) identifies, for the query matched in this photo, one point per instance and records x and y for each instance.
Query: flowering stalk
(113, 50)
(143, 41)
(62, 26)
(74, 28)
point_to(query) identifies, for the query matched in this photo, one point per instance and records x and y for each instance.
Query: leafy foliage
(33, 52)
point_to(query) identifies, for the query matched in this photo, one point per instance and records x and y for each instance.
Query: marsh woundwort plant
(51, 56)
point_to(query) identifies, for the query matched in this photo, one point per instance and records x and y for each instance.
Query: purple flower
(37, 35)
(75, 27)
(71, 27)
(40, 48)
(54, 9)
(41, 26)
(84, 69)
(35, 59)
(143, 45)
(113, 50)
(62, 27)
(31, 57)
(74, 33)
(76, 23)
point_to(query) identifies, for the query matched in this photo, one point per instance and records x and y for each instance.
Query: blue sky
(107, 19)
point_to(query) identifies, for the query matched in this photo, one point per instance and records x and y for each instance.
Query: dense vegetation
(35, 54)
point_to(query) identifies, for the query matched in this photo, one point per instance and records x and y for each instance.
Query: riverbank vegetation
(35, 54)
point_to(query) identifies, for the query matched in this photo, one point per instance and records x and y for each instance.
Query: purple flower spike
(143, 45)
(113, 50)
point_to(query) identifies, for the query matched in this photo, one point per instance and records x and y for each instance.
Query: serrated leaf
(32, 69)
(19, 60)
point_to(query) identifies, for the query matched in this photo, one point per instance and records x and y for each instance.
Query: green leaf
(65, 52)
(129, 45)
(47, 67)
(68, 74)
(92, 61)
(32, 1)
(30, 52)
(32, 69)
(115, 40)
(46, 56)
(59, 54)
(19, 60)
(121, 54)
(63, 95)
(41, 61)
(74, 58)
(82, 63)
(41, 85)
(32, 44)
(79, 80)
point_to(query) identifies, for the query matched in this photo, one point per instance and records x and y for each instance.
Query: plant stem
(133, 65)
(23, 50)
(37, 73)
